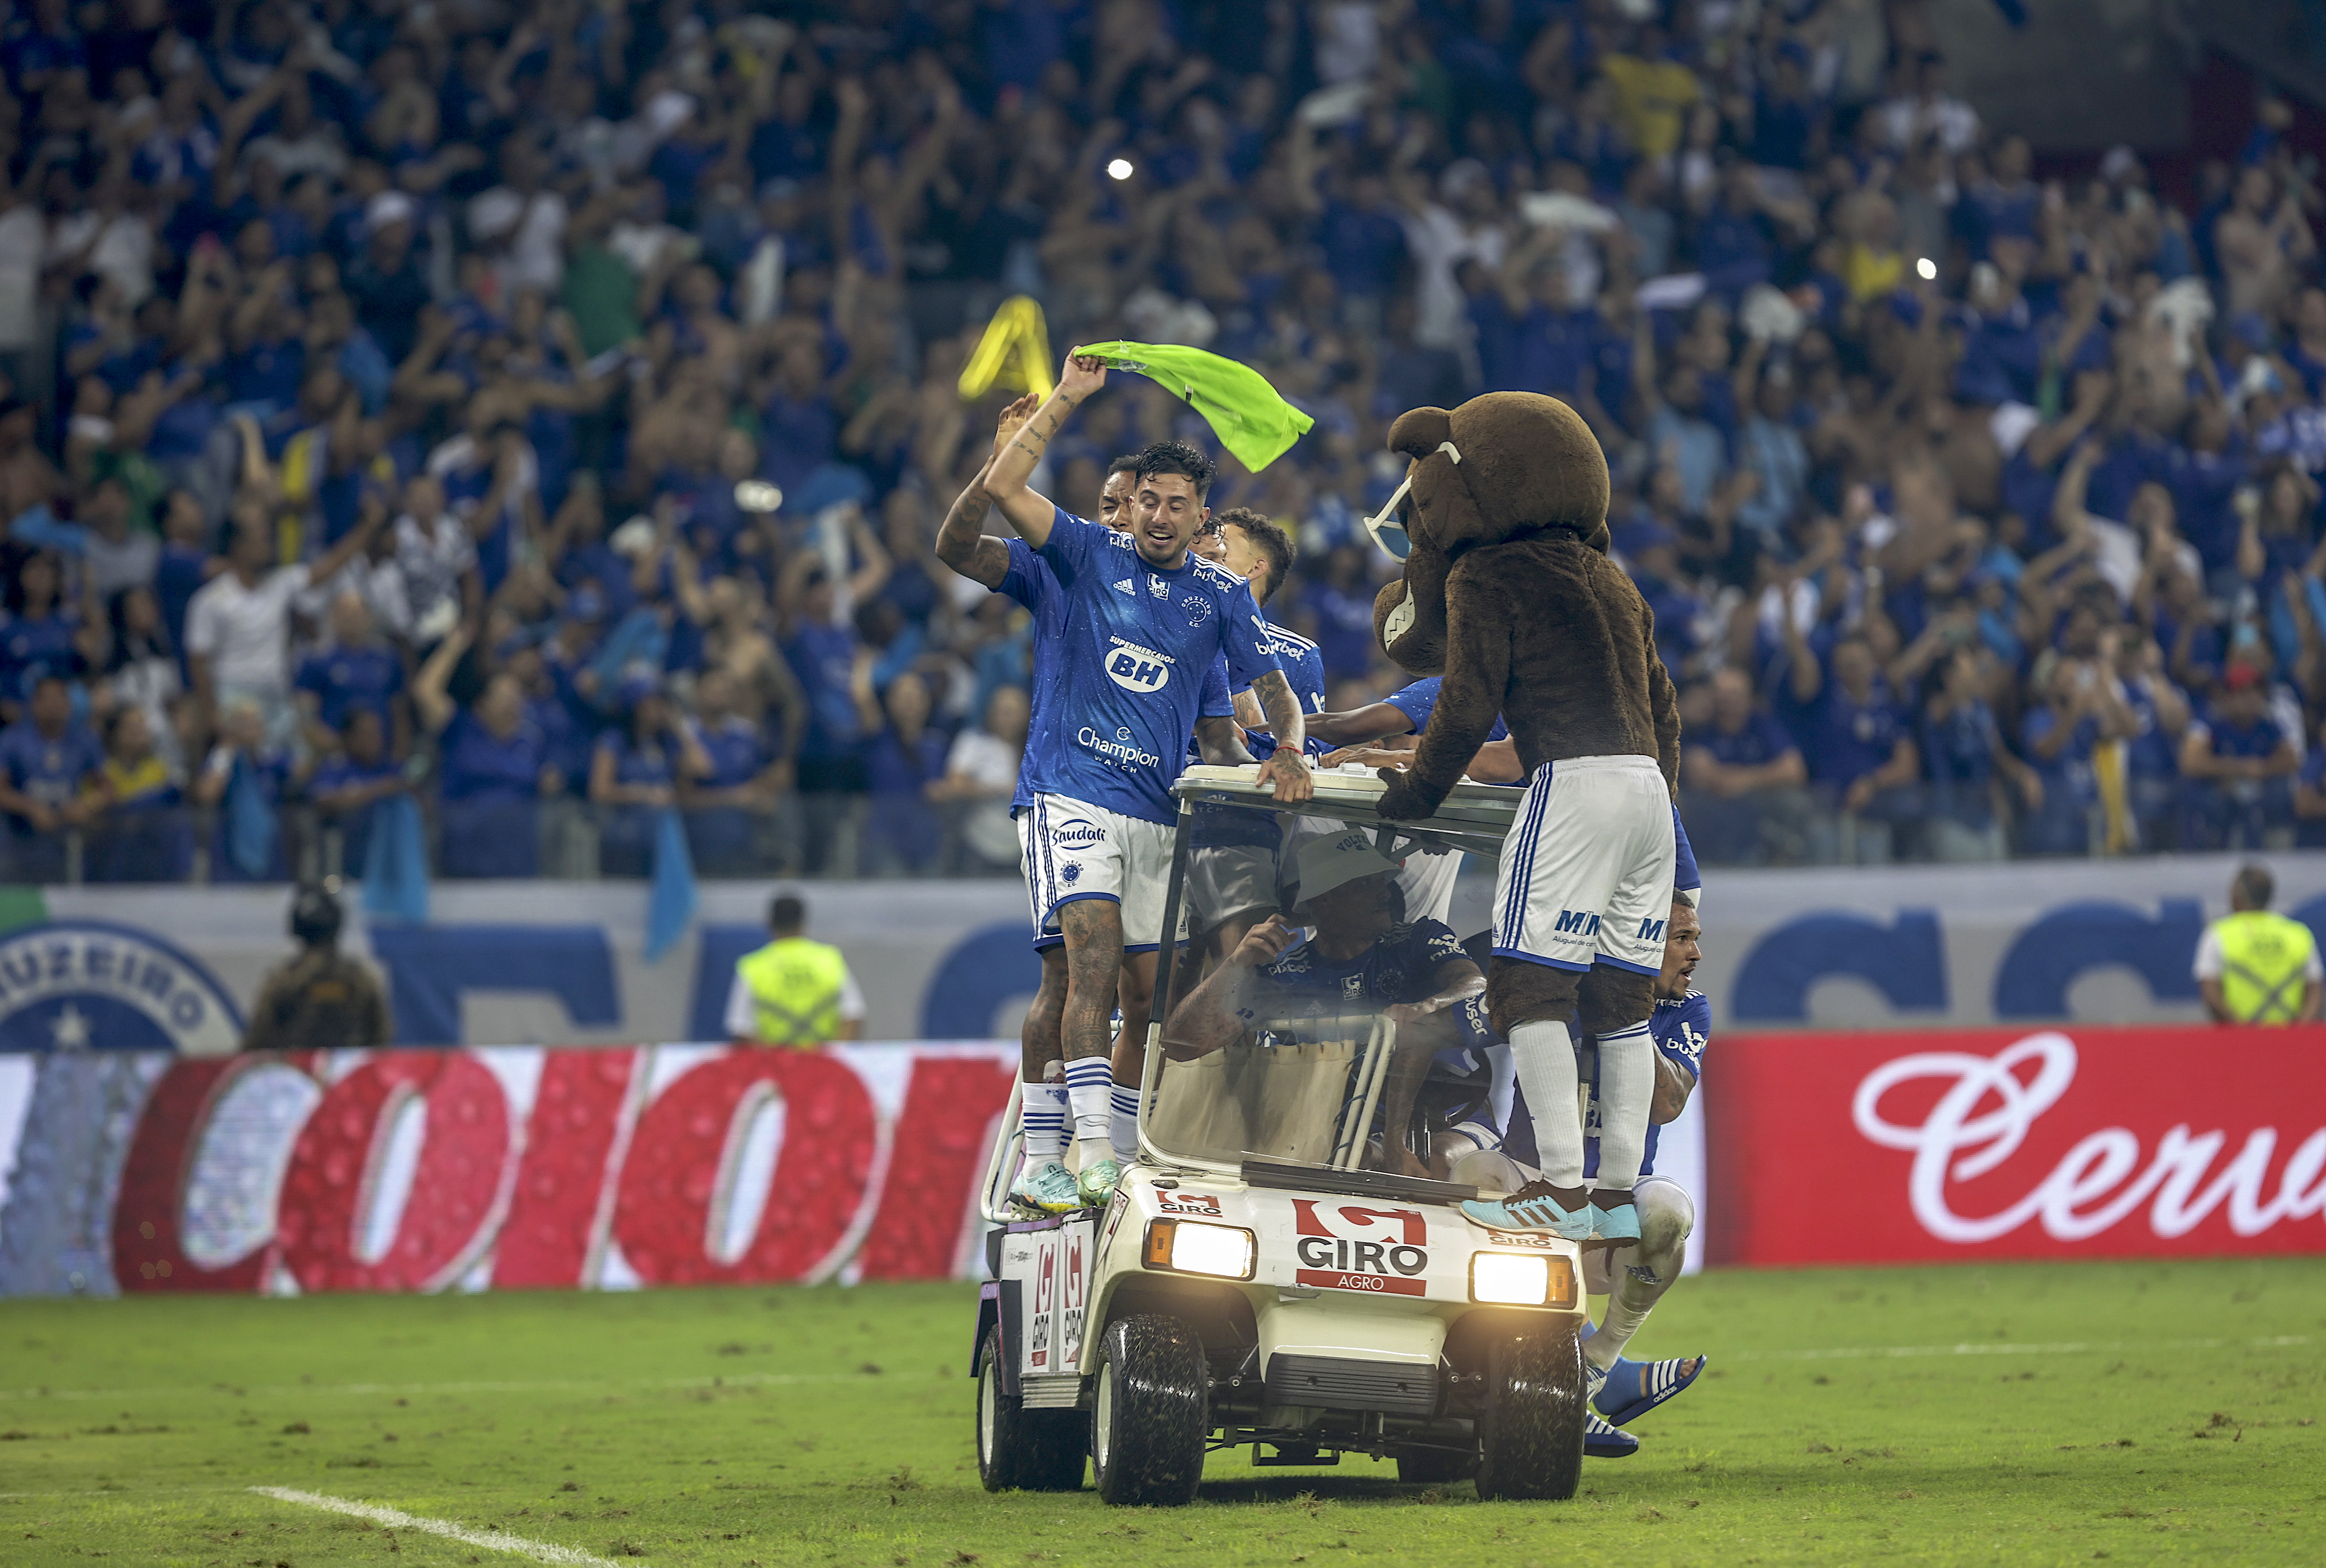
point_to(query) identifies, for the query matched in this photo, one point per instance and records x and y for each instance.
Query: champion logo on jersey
(1125, 587)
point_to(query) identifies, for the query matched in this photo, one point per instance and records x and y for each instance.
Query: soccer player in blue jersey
(1144, 618)
(1012, 567)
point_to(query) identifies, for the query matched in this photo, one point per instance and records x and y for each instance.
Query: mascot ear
(1409, 614)
(1418, 430)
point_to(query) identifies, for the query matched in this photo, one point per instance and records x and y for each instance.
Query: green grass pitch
(2131, 1413)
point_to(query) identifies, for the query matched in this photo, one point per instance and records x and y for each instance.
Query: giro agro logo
(86, 985)
(1379, 1251)
(1137, 669)
(1988, 1107)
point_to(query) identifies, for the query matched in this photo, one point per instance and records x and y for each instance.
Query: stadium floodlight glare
(1926, 269)
(1191, 1246)
(757, 496)
(1522, 1279)
(1119, 169)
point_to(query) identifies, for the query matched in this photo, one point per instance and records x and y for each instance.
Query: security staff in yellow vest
(2254, 967)
(793, 991)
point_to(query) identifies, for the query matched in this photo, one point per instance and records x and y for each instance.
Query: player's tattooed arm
(1674, 1084)
(1213, 1013)
(1287, 768)
(1220, 741)
(1005, 478)
(962, 543)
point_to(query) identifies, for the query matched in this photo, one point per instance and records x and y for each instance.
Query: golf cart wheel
(1531, 1433)
(1435, 1467)
(1035, 1450)
(1152, 1416)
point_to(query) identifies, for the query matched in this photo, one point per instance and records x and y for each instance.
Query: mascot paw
(1400, 802)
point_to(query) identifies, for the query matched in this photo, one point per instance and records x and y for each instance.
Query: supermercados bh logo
(81, 984)
(1137, 669)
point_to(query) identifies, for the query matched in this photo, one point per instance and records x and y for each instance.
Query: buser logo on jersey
(1137, 669)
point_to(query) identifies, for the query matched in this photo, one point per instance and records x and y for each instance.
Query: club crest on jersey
(1137, 669)
(1198, 609)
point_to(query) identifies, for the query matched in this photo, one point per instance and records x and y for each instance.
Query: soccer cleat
(1620, 1223)
(1630, 1390)
(1601, 1441)
(1096, 1183)
(1532, 1208)
(1047, 1189)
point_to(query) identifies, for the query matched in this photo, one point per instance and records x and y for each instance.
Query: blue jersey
(1031, 581)
(1420, 701)
(1679, 1026)
(1304, 671)
(1133, 650)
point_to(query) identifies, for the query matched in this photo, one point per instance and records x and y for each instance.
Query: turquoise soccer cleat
(1097, 1183)
(1533, 1207)
(1048, 1189)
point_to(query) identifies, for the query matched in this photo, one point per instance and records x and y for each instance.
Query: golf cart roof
(1473, 817)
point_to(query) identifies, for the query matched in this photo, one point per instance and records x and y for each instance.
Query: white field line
(545, 1386)
(398, 1519)
(2066, 1347)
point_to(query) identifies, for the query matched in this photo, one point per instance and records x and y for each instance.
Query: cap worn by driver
(1333, 861)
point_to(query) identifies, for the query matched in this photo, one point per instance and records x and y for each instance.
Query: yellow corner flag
(1014, 353)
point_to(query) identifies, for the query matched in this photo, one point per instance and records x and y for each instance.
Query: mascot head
(1501, 466)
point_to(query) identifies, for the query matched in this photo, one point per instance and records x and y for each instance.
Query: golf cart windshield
(1344, 1034)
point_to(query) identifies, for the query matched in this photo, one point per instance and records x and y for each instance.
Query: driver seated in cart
(1360, 955)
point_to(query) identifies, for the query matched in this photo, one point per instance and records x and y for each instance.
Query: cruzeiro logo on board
(74, 984)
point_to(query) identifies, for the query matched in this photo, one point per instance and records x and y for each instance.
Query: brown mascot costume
(1509, 594)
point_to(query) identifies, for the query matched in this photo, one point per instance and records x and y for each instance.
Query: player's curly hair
(1269, 537)
(1177, 457)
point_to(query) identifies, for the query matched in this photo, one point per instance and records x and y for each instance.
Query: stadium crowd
(544, 408)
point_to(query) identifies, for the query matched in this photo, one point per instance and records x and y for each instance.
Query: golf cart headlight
(1191, 1246)
(1522, 1279)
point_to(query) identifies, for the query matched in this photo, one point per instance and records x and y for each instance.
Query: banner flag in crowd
(1014, 353)
(1251, 418)
(249, 822)
(395, 863)
(670, 907)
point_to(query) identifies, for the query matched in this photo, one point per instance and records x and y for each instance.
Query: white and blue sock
(1123, 1128)
(1545, 1059)
(1042, 1113)
(1627, 1091)
(1089, 1092)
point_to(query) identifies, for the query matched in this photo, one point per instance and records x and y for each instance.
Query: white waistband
(1565, 764)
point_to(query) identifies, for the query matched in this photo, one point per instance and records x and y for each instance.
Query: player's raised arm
(962, 543)
(1024, 510)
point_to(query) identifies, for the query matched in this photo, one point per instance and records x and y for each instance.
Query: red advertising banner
(524, 1167)
(2067, 1142)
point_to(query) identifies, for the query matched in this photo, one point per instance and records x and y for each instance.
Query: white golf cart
(1258, 1278)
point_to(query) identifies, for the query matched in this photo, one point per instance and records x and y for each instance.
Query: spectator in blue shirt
(45, 757)
(1861, 752)
(905, 834)
(359, 672)
(1742, 780)
(746, 779)
(2240, 767)
(1968, 765)
(492, 769)
(1362, 244)
(2078, 708)
(635, 773)
(2152, 753)
(346, 786)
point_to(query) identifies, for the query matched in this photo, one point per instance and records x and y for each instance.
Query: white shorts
(1076, 851)
(1227, 880)
(1046, 924)
(1587, 871)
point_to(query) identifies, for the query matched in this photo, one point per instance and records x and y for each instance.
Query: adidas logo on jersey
(1125, 587)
